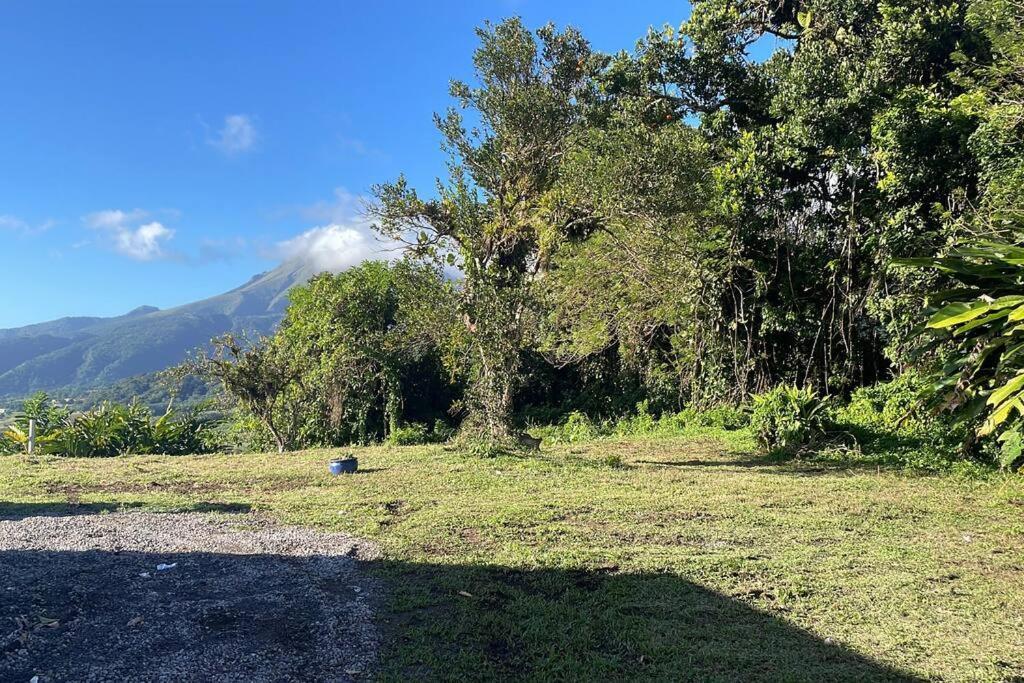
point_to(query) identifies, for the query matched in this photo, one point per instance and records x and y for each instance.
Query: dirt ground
(82, 599)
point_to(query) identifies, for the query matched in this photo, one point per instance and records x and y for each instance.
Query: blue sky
(161, 152)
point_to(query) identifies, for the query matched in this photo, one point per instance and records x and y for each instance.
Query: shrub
(443, 431)
(111, 429)
(411, 434)
(892, 424)
(722, 417)
(417, 433)
(641, 423)
(891, 407)
(578, 427)
(787, 419)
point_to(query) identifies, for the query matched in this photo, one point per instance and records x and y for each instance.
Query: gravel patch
(244, 599)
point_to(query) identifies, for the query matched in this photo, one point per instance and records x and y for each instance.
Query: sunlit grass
(921, 575)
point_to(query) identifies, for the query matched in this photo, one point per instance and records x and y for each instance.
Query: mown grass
(677, 558)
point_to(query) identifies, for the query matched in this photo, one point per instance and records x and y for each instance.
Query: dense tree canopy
(681, 224)
(488, 218)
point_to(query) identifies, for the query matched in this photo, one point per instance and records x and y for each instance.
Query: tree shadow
(697, 462)
(496, 623)
(15, 511)
(789, 467)
(71, 615)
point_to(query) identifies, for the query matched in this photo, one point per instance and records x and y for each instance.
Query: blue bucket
(343, 466)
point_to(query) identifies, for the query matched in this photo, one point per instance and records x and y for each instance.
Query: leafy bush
(578, 427)
(1010, 454)
(787, 419)
(971, 339)
(892, 412)
(412, 434)
(641, 423)
(443, 431)
(111, 429)
(417, 433)
(725, 417)
(891, 423)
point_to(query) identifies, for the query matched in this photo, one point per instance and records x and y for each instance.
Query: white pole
(31, 436)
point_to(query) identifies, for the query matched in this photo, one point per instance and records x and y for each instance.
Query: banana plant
(975, 333)
(19, 437)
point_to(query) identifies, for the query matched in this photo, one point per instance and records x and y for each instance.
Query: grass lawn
(692, 560)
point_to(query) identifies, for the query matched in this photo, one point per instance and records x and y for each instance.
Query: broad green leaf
(1000, 415)
(1001, 394)
(978, 322)
(957, 313)
(1007, 301)
(1011, 449)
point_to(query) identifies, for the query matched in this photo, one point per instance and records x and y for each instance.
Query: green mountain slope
(86, 352)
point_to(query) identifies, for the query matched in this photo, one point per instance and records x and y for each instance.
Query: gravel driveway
(82, 599)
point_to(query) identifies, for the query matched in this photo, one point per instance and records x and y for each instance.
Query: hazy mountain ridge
(85, 352)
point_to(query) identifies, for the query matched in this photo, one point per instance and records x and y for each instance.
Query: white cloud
(145, 243)
(127, 235)
(112, 219)
(238, 134)
(12, 223)
(15, 224)
(334, 247)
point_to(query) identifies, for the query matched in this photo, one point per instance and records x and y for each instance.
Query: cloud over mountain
(334, 247)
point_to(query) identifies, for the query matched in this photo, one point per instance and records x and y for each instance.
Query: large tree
(364, 340)
(488, 217)
(837, 147)
(638, 264)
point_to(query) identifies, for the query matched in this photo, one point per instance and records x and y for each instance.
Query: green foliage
(973, 335)
(488, 217)
(641, 422)
(971, 341)
(417, 433)
(889, 424)
(787, 419)
(577, 427)
(262, 378)
(1011, 449)
(366, 342)
(409, 435)
(111, 429)
(355, 353)
(727, 417)
(889, 407)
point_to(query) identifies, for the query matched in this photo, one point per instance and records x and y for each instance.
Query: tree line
(820, 194)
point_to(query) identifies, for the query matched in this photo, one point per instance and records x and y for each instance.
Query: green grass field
(692, 559)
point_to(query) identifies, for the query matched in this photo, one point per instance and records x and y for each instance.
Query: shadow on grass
(793, 466)
(268, 617)
(9, 511)
(697, 462)
(496, 623)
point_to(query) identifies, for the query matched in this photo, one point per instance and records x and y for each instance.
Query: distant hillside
(79, 353)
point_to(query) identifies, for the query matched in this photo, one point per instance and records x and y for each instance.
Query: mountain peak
(141, 310)
(78, 353)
